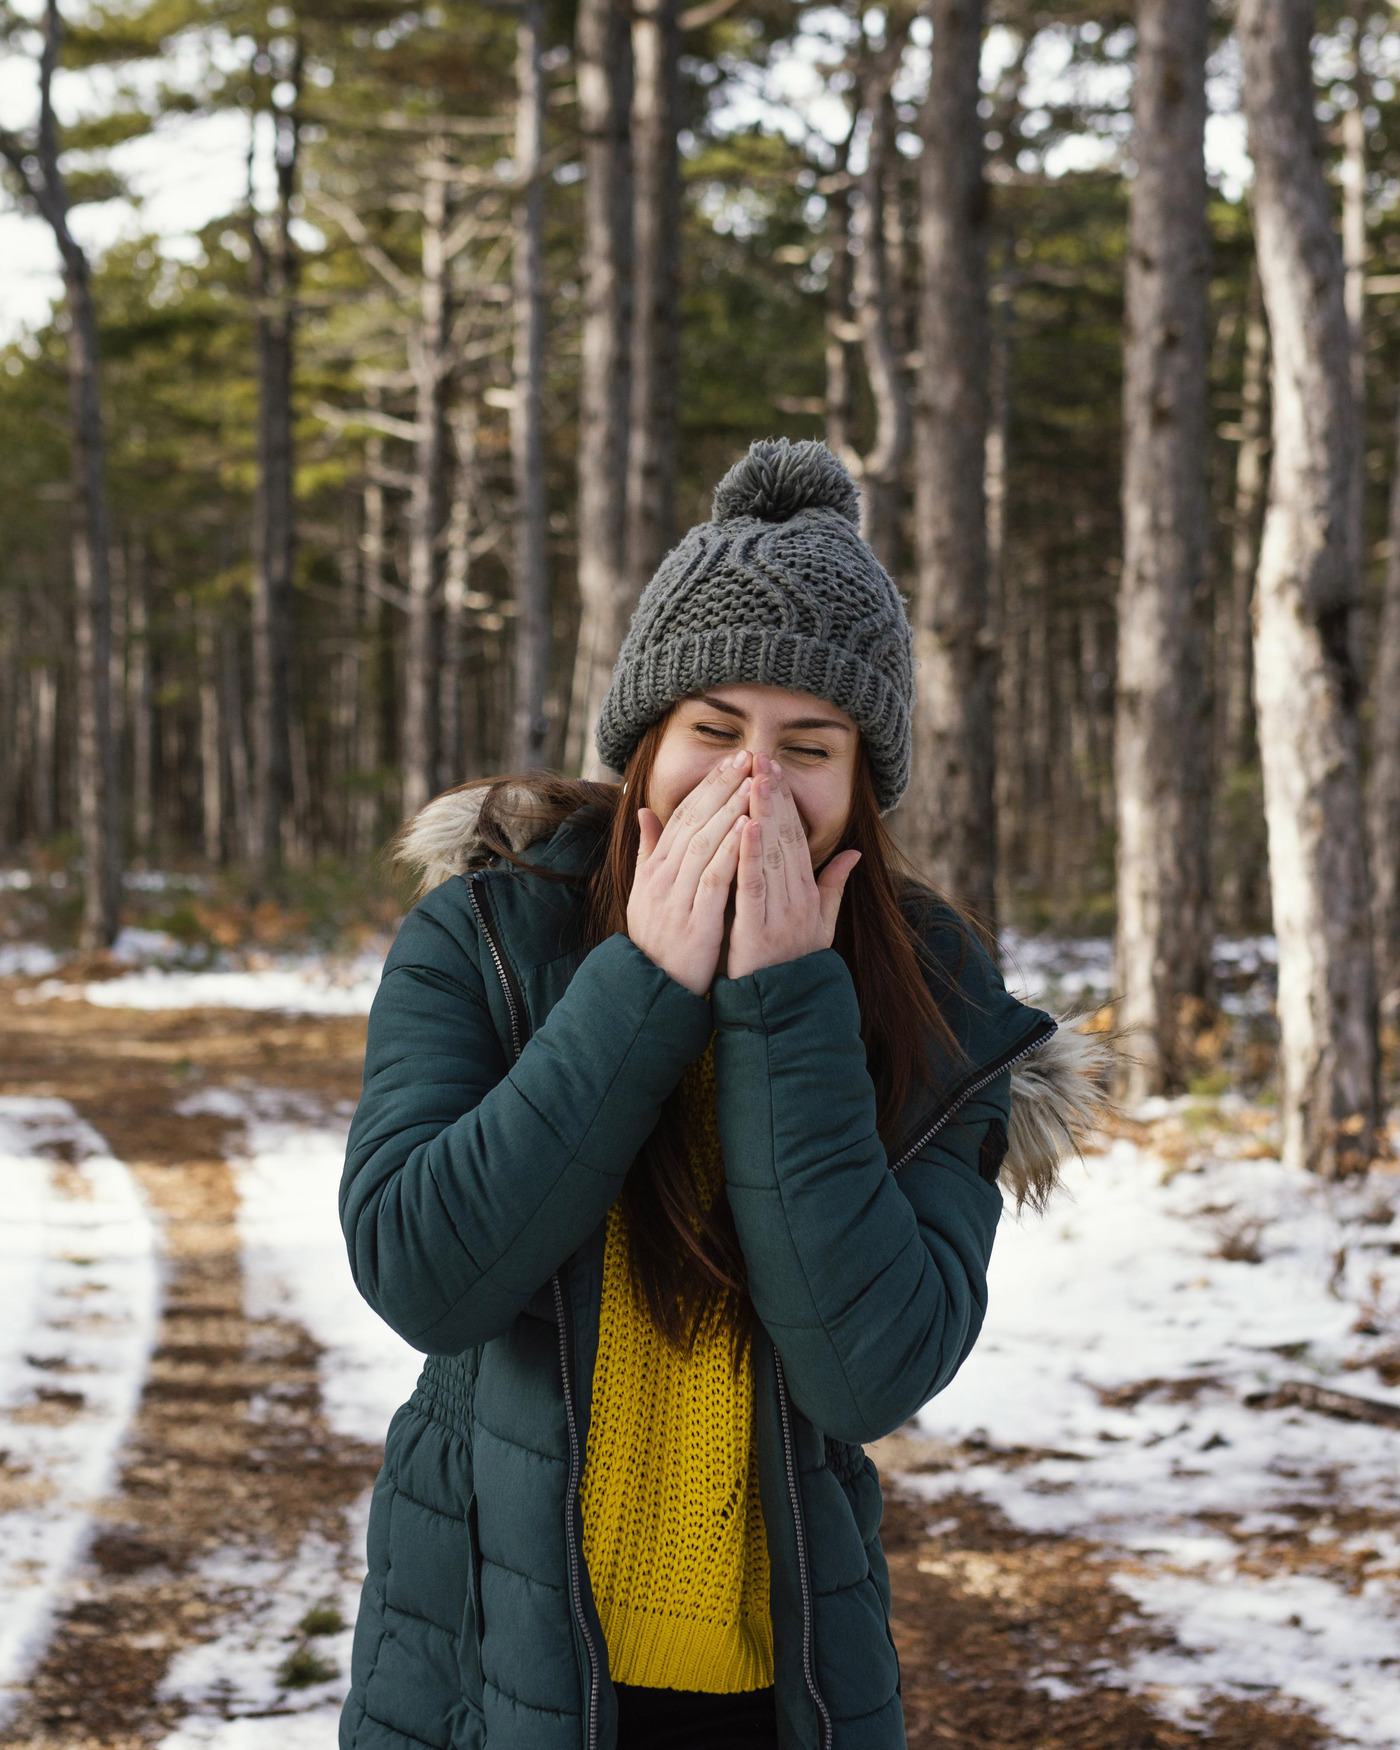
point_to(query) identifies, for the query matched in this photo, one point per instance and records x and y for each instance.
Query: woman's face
(815, 744)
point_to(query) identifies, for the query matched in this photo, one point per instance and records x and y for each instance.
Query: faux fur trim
(443, 839)
(1058, 1092)
(1058, 1098)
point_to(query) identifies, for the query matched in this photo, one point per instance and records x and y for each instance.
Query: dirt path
(229, 1446)
(1008, 1641)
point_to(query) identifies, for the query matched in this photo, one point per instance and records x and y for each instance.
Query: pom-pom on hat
(778, 588)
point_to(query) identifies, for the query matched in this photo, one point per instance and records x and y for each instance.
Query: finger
(763, 805)
(649, 825)
(705, 840)
(792, 835)
(717, 878)
(751, 887)
(831, 885)
(708, 796)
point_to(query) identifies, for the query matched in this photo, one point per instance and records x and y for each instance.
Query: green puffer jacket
(509, 1081)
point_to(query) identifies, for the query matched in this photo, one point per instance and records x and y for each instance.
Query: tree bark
(35, 164)
(840, 325)
(1383, 797)
(1306, 619)
(1162, 951)
(456, 590)
(1240, 863)
(651, 452)
(98, 819)
(950, 821)
(373, 552)
(604, 55)
(430, 362)
(274, 281)
(883, 467)
(1354, 259)
(211, 737)
(139, 702)
(529, 724)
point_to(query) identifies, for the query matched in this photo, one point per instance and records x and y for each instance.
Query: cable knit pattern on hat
(778, 588)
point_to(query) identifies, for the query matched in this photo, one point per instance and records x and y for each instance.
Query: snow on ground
(78, 1307)
(1106, 1398)
(295, 1268)
(306, 984)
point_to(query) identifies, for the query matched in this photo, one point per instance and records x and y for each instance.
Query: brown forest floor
(989, 1620)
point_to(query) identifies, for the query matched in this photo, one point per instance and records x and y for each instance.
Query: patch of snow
(1118, 1349)
(79, 1291)
(305, 984)
(26, 960)
(235, 1685)
(295, 1267)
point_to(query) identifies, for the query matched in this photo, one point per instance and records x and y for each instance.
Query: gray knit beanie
(779, 588)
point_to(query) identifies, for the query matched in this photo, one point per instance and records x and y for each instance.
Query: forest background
(367, 526)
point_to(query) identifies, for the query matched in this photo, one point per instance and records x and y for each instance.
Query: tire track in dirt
(229, 1447)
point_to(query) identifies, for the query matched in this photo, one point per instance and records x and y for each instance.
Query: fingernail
(745, 787)
(776, 768)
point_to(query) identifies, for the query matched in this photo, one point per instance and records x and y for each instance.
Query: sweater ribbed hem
(660, 1650)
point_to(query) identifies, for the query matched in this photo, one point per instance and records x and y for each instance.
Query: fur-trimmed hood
(1058, 1092)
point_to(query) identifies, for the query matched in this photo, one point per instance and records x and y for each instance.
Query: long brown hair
(686, 1263)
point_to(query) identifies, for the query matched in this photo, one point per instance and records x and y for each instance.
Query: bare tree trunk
(139, 704)
(1240, 862)
(98, 820)
(530, 726)
(456, 587)
(35, 163)
(429, 348)
(651, 454)
(883, 467)
(604, 55)
(1162, 951)
(211, 737)
(1354, 259)
(240, 776)
(44, 709)
(951, 819)
(841, 329)
(1306, 619)
(1383, 796)
(274, 280)
(373, 552)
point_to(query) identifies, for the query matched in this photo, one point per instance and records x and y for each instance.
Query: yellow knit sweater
(672, 1527)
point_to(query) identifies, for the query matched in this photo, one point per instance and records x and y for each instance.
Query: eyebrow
(792, 723)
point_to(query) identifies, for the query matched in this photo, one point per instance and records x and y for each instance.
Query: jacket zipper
(823, 1717)
(514, 1004)
(1042, 1031)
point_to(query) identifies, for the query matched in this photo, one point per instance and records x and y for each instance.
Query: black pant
(685, 1719)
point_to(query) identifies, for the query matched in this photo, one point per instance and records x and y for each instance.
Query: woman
(683, 1117)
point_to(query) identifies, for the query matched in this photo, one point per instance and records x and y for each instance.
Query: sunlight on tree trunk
(1306, 628)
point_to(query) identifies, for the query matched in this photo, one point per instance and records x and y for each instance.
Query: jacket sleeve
(467, 1180)
(872, 1285)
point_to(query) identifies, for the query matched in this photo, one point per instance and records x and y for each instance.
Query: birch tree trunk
(429, 343)
(603, 51)
(1306, 619)
(841, 328)
(373, 551)
(274, 279)
(139, 703)
(1383, 796)
(1354, 259)
(1162, 951)
(651, 445)
(529, 726)
(950, 820)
